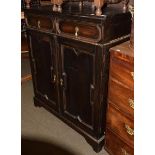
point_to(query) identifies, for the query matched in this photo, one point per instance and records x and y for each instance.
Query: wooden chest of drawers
(120, 112)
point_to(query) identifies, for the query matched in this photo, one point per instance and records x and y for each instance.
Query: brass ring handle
(129, 130)
(124, 151)
(76, 31)
(132, 74)
(39, 24)
(131, 103)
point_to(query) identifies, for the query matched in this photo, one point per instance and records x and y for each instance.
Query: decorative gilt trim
(117, 39)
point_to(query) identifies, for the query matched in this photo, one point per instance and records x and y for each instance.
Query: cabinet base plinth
(97, 147)
(95, 143)
(37, 103)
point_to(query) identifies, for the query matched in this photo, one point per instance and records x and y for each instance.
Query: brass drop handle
(76, 31)
(131, 103)
(39, 24)
(129, 130)
(61, 82)
(124, 152)
(132, 74)
(54, 78)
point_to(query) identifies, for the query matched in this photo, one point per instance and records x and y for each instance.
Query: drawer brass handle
(129, 130)
(76, 31)
(124, 152)
(39, 24)
(132, 74)
(131, 103)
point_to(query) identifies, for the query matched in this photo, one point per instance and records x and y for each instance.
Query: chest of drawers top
(124, 52)
(80, 24)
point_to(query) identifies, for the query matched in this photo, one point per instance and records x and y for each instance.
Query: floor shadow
(38, 147)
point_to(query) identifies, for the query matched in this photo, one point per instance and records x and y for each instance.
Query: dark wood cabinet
(69, 56)
(44, 69)
(77, 81)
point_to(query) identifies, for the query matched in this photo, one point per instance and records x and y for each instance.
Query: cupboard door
(78, 83)
(43, 62)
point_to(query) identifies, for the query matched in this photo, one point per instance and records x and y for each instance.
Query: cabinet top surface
(123, 49)
(74, 11)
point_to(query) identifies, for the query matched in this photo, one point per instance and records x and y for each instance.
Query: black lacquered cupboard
(69, 55)
(44, 70)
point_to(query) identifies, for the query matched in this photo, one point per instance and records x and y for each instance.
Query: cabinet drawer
(115, 146)
(40, 22)
(121, 125)
(122, 97)
(81, 30)
(122, 71)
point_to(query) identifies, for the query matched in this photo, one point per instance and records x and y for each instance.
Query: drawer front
(40, 22)
(81, 30)
(120, 124)
(115, 146)
(123, 72)
(122, 97)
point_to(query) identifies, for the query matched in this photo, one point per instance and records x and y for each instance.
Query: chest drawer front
(81, 30)
(122, 71)
(40, 22)
(115, 146)
(120, 125)
(122, 97)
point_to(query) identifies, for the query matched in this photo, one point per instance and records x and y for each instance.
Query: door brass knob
(54, 78)
(61, 82)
